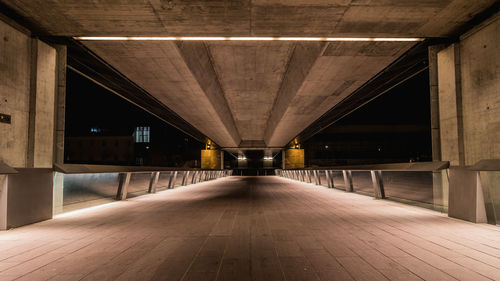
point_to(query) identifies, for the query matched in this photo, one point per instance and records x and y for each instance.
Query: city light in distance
(242, 158)
(222, 38)
(268, 158)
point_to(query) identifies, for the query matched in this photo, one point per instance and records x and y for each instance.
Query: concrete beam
(198, 59)
(303, 57)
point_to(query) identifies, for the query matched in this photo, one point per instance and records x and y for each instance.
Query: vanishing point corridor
(252, 228)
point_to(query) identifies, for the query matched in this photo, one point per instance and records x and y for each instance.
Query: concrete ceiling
(252, 93)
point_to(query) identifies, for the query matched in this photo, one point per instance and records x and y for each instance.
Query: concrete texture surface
(480, 69)
(430, 18)
(252, 228)
(45, 97)
(250, 92)
(14, 94)
(30, 103)
(468, 96)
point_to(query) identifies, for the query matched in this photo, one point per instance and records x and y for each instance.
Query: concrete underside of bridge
(249, 94)
(252, 228)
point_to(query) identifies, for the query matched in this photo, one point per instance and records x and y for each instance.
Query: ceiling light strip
(186, 38)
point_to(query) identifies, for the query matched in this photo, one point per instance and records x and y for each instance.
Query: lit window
(141, 134)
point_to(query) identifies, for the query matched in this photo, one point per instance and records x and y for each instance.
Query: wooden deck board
(252, 228)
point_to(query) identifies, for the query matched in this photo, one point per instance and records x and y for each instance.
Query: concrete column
(211, 159)
(450, 105)
(40, 153)
(294, 159)
(222, 159)
(434, 101)
(60, 103)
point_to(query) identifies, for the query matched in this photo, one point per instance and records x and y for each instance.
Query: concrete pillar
(468, 115)
(450, 105)
(210, 159)
(293, 159)
(434, 100)
(60, 103)
(468, 95)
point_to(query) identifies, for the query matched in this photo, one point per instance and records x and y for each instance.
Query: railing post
(309, 176)
(153, 181)
(193, 178)
(318, 176)
(173, 178)
(348, 180)
(332, 183)
(185, 177)
(327, 176)
(124, 180)
(378, 184)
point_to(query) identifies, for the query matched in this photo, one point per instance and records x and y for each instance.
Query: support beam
(348, 180)
(378, 184)
(185, 178)
(124, 180)
(194, 177)
(153, 181)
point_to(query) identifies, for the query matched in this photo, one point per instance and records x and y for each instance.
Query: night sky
(89, 105)
(405, 106)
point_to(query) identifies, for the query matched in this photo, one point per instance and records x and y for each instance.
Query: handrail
(6, 169)
(95, 169)
(414, 166)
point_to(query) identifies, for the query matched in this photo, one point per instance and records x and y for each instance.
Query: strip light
(182, 38)
(80, 211)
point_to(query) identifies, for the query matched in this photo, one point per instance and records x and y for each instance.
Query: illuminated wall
(294, 159)
(210, 159)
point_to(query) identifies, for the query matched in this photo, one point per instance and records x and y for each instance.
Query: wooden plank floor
(252, 228)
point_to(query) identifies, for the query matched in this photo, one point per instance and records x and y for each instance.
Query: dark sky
(408, 103)
(89, 105)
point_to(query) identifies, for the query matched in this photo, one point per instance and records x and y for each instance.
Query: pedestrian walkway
(252, 228)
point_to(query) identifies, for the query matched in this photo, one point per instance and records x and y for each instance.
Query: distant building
(100, 150)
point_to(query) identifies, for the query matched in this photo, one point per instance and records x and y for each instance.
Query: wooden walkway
(252, 228)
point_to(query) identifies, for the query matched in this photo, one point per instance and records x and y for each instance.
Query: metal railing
(421, 183)
(75, 183)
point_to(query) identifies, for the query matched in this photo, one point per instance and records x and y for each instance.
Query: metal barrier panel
(362, 182)
(79, 188)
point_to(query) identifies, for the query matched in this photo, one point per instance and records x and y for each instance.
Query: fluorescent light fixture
(251, 38)
(183, 38)
(301, 38)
